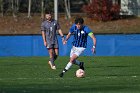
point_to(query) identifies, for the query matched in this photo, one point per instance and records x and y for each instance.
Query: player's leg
(56, 52)
(69, 64)
(80, 64)
(75, 52)
(51, 61)
(53, 51)
(78, 52)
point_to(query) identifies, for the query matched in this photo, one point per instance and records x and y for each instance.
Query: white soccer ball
(80, 73)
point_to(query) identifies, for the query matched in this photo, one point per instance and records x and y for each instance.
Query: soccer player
(49, 28)
(81, 32)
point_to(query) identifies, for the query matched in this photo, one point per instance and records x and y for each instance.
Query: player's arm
(69, 34)
(60, 31)
(44, 38)
(67, 37)
(93, 38)
(43, 31)
(94, 41)
(61, 34)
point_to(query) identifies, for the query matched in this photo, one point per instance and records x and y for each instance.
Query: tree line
(24, 6)
(98, 9)
(33, 6)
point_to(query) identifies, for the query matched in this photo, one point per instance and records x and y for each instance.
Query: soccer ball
(80, 73)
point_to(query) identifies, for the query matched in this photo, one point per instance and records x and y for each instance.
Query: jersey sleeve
(72, 28)
(88, 30)
(58, 25)
(42, 26)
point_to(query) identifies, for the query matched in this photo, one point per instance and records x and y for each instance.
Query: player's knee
(51, 59)
(72, 60)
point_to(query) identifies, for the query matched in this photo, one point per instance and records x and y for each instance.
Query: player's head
(48, 15)
(79, 22)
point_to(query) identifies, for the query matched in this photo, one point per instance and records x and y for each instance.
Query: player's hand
(93, 50)
(64, 42)
(45, 43)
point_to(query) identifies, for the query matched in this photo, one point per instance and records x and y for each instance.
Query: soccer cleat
(52, 67)
(82, 65)
(61, 74)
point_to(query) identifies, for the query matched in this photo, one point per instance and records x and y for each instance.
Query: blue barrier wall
(107, 45)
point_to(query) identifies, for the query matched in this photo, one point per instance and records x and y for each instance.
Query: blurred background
(116, 24)
(25, 16)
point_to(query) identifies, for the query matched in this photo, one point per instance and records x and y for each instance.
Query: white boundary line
(57, 78)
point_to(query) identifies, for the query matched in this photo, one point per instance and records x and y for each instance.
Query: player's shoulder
(44, 21)
(85, 27)
(54, 21)
(73, 25)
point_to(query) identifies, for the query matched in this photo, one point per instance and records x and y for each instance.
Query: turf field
(103, 75)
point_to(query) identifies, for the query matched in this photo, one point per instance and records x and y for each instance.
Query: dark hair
(47, 11)
(79, 20)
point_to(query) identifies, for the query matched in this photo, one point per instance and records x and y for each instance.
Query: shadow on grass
(68, 89)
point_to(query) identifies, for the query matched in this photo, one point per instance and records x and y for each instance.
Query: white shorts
(76, 50)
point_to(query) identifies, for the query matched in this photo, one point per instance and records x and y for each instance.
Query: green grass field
(103, 75)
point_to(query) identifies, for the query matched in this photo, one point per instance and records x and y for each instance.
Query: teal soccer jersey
(80, 35)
